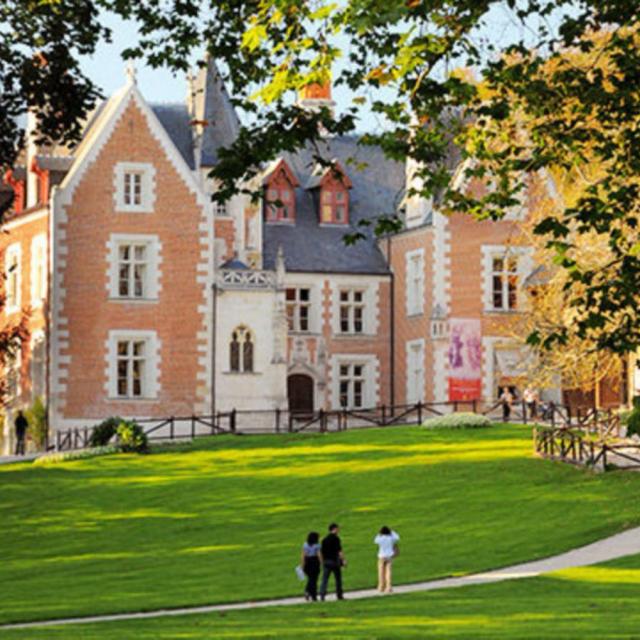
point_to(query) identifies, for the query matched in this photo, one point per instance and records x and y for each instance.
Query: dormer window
(333, 185)
(280, 196)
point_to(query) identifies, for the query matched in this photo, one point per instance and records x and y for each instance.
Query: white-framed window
(352, 310)
(352, 385)
(133, 364)
(134, 261)
(504, 269)
(220, 209)
(37, 365)
(415, 282)
(38, 269)
(298, 300)
(241, 350)
(134, 187)
(415, 371)
(13, 278)
(504, 282)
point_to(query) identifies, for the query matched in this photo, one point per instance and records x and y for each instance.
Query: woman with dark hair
(311, 561)
(387, 541)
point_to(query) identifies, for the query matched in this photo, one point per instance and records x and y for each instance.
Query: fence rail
(280, 421)
(577, 446)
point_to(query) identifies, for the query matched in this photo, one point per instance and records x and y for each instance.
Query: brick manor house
(149, 300)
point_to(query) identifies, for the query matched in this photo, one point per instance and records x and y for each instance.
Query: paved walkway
(617, 546)
(26, 458)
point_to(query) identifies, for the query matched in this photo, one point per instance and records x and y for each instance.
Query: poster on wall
(465, 359)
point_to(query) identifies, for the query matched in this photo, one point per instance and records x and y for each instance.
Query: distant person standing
(310, 562)
(21, 425)
(332, 561)
(506, 399)
(387, 541)
(530, 398)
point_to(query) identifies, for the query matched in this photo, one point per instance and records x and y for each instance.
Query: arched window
(241, 350)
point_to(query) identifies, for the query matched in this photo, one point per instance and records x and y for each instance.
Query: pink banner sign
(465, 359)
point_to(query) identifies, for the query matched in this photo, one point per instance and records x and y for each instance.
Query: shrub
(37, 416)
(458, 421)
(131, 437)
(633, 421)
(103, 432)
(78, 454)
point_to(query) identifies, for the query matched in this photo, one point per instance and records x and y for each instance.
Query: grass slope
(224, 520)
(590, 602)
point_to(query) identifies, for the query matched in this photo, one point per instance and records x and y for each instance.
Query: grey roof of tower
(213, 105)
(309, 246)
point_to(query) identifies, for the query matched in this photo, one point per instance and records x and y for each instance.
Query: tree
(396, 54)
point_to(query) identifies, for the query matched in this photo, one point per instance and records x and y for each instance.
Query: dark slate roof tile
(177, 123)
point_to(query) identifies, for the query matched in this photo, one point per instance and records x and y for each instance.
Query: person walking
(21, 426)
(387, 541)
(310, 563)
(332, 561)
(506, 398)
(530, 398)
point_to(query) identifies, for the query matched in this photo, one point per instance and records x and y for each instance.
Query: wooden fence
(584, 448)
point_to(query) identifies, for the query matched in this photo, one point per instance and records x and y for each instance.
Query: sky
(107, 68)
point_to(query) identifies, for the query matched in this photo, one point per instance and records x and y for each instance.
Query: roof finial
(130, 72)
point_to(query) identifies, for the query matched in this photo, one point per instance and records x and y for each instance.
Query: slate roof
(311, 247)
(176, 121)
(213, 105)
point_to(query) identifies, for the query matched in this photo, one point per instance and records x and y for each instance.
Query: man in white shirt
(387, 541)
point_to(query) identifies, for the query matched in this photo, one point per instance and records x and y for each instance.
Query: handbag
(300, 574)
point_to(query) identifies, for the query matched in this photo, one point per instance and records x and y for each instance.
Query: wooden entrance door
(300, 393)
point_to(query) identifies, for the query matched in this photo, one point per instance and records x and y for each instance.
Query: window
(133, 361)
(351, 386)
(131, 368)
(504, 278)
(13, 278)
(280, 204)
(133, 188)
(38, 269)
(241, 351)
(134, 267)
(415, 282)
(415, 371)
(334, 205)
(135, 182)
(298, 307)
(132, 270)
(351, 311)
(220, 209)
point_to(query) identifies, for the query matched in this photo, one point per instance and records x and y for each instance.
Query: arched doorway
(300, 393)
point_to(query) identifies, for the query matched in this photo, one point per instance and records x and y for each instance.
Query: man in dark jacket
(332, 560)
(21, 425)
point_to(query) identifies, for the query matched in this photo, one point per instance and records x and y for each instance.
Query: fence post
(57, 440)
(419, 406)
(232, 421)
(524, 412)
(384, 416)
(474, 405)
(553, 414)
(193, 427)
(86, 437)
(345, 419)
(171, 428)
(455, 406)
(277, 419)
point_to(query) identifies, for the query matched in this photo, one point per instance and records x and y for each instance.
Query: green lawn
(224, 520)
(591, 602)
